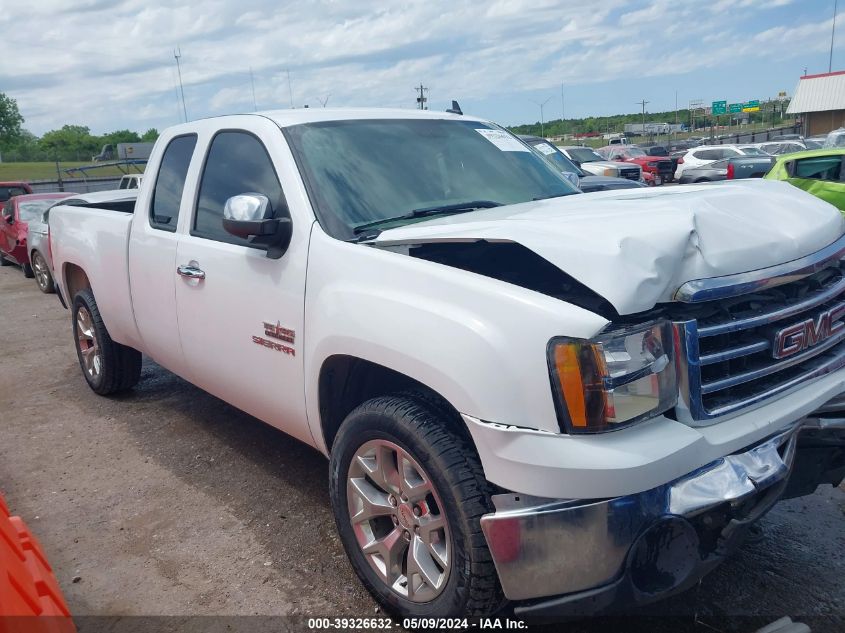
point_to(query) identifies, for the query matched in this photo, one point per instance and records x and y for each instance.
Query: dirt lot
(166, 501)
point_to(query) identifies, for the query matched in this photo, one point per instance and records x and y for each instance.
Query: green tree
(71, 142)
(10, 120)
(150, 135)
(120, 136)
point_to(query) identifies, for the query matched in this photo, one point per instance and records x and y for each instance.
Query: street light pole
(542, 122)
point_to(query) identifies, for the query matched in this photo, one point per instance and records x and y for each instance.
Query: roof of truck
(285, 118)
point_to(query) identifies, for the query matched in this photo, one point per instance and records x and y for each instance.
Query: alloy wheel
(398, 520)
(42, 275)
(86, 338)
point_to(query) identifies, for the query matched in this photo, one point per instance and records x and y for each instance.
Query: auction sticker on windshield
(502, 140)
(545, 148)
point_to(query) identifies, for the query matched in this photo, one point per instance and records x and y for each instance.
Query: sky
(109, 64)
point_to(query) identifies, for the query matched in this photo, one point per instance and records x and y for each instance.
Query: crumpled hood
(636, 247)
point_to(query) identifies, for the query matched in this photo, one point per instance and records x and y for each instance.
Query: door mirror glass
(249, 216)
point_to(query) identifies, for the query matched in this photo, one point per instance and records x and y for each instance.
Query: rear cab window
(170, 181)
(817, 168)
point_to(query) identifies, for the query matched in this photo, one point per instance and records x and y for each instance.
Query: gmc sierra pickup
(529, 395)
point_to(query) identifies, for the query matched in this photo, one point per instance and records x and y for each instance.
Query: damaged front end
(576, 557)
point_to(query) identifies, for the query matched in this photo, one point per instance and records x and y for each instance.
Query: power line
(177, 53)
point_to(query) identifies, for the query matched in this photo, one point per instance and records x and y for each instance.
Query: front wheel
(408, 495)
(108, 367)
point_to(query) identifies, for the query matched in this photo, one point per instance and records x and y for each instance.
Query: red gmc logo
(800, 336)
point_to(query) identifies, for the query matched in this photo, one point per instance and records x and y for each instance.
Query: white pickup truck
(568, 402)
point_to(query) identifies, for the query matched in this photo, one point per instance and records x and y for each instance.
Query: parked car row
(25, 233)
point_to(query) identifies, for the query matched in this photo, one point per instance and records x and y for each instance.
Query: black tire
(702, 180)
(49, 286)
(4, 261)
(119, 365)
(27, 271)
(421, 428)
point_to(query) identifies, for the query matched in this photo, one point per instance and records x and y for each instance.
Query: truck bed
(97, 241)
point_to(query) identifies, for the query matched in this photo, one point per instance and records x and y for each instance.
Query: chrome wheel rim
(86, 338)
(41, 274)
(398, 520)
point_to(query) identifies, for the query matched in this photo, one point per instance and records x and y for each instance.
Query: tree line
(68, 143)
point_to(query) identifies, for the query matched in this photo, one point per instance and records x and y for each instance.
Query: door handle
(190, 272)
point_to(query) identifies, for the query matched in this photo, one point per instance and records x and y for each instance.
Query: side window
(819, 167)
(237, 163)
(728, 152)
(167, 196)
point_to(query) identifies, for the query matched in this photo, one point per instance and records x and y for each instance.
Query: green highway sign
(751, 106)
(735, 108)
(719, 107)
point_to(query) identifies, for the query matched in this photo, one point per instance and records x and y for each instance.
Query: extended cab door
(240, 312)
(152, 251)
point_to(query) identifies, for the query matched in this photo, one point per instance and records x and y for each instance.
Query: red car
(17, 213)
(656, 169)
(12, 189)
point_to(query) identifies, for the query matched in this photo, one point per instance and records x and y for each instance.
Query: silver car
(37, 237)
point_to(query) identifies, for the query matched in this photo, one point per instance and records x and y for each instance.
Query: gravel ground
(168, 502)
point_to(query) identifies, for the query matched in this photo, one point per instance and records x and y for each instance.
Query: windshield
(752, 151)
(583, 155)
(557, 158)
(365, 171)
(31, 211)
(633, 152)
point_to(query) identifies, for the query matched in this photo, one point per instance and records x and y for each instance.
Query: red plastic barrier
(30, 598)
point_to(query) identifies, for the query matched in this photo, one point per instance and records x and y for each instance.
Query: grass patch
(47, 171)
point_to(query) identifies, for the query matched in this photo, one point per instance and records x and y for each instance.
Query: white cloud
(109, 64)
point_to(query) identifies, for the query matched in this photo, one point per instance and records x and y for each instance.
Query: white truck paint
(481, 341)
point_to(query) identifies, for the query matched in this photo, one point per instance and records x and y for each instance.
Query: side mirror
(10, 219)
(250, 217)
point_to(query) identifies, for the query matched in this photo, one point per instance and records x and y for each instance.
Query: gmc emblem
(800, 336)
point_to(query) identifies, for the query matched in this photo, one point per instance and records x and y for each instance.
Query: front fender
(478, 342)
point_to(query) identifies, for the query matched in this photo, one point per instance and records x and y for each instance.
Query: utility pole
(832, 33)
(562, 104)
(422, 99)
(542, 122)
(252, 79)
(323, 102)
(290, 90)
(643, 104)
(177, 53)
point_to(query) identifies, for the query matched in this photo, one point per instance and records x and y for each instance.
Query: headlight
(615, 379)
(611, 171)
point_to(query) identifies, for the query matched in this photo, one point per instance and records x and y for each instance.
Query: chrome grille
(730, 343)
(630, 174)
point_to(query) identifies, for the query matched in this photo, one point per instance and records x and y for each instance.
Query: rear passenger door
(240, 312)
(152, 253)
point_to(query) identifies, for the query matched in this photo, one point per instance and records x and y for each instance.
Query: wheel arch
(75, 279)
(346, 381)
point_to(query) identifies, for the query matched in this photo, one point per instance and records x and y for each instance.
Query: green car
(820, 172)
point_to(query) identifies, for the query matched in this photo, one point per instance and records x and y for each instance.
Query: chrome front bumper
(637, 548)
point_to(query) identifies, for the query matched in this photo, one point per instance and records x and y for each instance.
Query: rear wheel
(108, 367)
(42, 273)
(408, 495)
(4, 261)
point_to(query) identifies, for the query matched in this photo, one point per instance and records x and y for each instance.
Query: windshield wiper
(459, 207)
